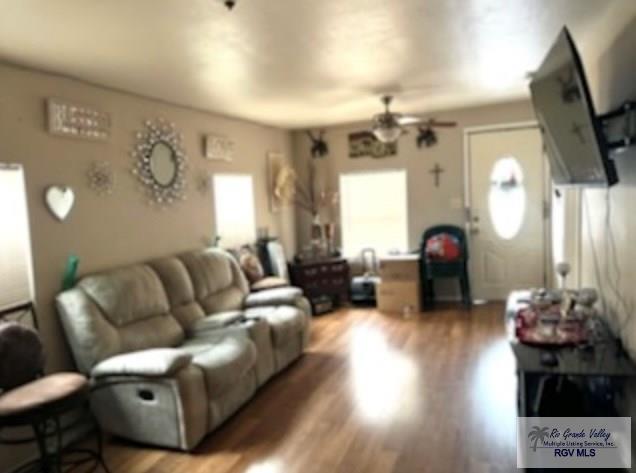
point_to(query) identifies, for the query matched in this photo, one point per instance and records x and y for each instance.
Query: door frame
(547, 194)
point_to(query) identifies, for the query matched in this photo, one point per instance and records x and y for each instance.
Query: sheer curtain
(16, 278)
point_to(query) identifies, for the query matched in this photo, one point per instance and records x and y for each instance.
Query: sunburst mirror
(160, 162)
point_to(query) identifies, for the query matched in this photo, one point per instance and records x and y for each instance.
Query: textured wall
(122, 228)
(427, 205)
(608, 224)
(107, 231)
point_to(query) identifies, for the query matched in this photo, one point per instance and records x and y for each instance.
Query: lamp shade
(16, 280)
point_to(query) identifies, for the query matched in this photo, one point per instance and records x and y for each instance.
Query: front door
(505, 210)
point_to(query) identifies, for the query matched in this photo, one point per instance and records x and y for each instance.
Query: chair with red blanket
(444, 253)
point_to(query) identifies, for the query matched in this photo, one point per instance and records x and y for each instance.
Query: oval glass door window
(507, 197)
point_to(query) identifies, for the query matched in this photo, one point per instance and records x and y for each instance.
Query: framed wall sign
(218, 148)
(77, 121)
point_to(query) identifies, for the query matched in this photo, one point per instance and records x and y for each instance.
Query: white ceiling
(300, 63)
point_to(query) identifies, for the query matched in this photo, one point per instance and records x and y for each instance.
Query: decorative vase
(316, 229)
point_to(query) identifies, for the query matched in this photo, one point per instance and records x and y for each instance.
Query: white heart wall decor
(60, 200)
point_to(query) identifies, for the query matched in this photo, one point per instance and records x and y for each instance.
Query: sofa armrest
(278, 296)
(156, 362)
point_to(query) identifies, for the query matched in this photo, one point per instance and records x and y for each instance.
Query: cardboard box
(400, 268)
(394, 296)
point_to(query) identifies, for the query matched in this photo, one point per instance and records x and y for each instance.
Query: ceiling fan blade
(409, 120)
(438, 124)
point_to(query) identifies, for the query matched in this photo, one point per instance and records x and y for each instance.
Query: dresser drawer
(339, 268)
(311, 272)
(324, 278)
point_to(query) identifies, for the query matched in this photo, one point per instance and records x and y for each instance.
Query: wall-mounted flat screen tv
(572, 133)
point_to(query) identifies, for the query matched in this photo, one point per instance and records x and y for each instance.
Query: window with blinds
(373, 210)
(16, 278)
(234, 209)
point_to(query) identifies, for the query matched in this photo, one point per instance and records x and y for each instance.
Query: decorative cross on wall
(437, 170)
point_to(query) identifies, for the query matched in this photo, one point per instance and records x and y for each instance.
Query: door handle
(472, 216)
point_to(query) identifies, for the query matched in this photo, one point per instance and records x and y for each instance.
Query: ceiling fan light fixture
(386, 134)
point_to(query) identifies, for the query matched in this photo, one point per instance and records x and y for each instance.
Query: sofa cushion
(179, 289)
(162, 331)
(228, 299)
(128, 294)
(155, 363)
(91, 337)
(274, 296)
(285, 322)
(176, 280)
(224, 359)
(117, 312)
(269, 282)
(216, 321)
(218, 282)
(211, 271)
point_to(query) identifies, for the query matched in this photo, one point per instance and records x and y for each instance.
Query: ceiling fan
(426, 134)
(389, 126)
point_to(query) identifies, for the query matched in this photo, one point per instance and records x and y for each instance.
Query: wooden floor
(375, 394)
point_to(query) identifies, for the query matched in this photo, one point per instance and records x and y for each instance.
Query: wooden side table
(41, 404)
(318, 279)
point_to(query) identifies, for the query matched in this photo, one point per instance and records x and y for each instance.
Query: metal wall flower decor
(203, 181)
(101, 177)
(160, 162)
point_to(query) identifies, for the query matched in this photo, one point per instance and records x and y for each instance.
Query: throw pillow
(251, 265)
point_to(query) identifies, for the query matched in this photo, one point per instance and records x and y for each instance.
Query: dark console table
(600, 368)
(320, 279)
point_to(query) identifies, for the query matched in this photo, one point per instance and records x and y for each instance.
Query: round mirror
(163, 164)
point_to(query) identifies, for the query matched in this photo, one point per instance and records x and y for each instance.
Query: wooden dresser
(322, 278)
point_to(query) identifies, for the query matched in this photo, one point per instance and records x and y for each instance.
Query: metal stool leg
(59, 443)
(40, 431)
(100, 450)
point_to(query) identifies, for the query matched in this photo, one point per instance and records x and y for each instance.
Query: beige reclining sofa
(176, 345)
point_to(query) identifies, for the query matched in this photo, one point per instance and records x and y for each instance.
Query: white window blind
(234, 209)
(373, 209)
(16, 279)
